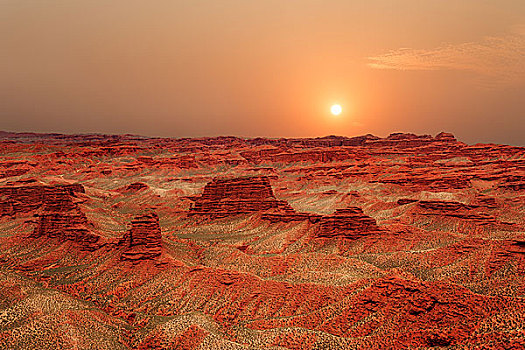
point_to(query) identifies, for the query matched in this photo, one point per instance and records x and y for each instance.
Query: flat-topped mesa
(62, 219)
(24, 199)
(243, 195)
(256, 187)
(143, 240)
(349, 223)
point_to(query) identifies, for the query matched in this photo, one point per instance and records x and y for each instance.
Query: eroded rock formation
(135, 187)
(243, 195)
(143, 240)
(350, 223)
(23, 199)
(61, 218)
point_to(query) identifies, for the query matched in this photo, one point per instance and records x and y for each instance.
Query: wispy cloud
(499, 60)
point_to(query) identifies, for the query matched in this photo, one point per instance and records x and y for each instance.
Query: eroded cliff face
(21, 199)
(61, 218)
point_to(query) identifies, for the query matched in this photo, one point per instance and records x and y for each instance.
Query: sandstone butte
(143, 240)
(125, 242)
(226, 197)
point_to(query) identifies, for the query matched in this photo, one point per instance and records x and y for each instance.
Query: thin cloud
(500, 60)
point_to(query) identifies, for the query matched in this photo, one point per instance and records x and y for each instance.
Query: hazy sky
(264, 68)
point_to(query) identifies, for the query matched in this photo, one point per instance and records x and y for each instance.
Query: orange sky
(264, 68)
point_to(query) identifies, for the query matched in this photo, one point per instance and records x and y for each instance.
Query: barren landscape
(129, 242)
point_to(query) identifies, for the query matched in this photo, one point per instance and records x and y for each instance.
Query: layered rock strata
(143, 240)
(23, 199)
(62, 219)
(349, 223)
(243, 195)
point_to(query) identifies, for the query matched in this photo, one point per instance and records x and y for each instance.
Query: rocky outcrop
(69, 226)
(513, 185)
(7, 208)
(471, 212)
(135, 187)
(13, 172)
(480, 201)
(443, 206)
(445, 136)
(323, 155)
(243, 195)
(405, 201)
(62, 219)
(486, 202)
(24, 199)
(143, 240)
(431, 180)
(479, 211)
(505, 252)
(350, 223)
(422, 303)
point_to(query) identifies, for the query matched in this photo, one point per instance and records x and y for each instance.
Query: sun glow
(336, 109)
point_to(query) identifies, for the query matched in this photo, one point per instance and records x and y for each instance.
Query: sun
(336, 109)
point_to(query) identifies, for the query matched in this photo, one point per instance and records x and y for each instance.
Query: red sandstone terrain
(126, 242)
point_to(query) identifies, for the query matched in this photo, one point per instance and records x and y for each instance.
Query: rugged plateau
(128, 242)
